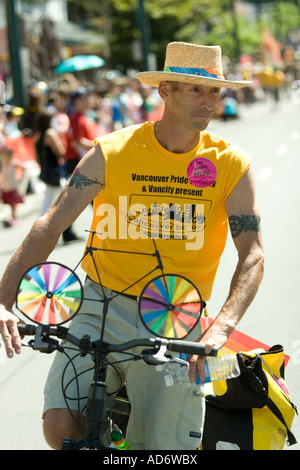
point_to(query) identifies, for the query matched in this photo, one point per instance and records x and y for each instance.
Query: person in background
(60, 121)
(2, 127)
(13, 117)
(9, 184)
(80, 139)
(49, 151)
(36, 101)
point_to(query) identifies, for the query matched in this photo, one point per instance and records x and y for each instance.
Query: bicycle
(170, 306)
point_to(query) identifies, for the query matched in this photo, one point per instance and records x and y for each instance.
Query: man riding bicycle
(174, 182)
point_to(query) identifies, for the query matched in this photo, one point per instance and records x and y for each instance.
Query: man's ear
(164, 90)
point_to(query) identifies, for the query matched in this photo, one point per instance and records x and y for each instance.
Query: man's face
(192, 105)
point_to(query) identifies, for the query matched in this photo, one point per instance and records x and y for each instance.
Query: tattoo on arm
(80, 180)
(244, 223)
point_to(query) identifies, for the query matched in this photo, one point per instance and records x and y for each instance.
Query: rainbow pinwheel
(49, 293)
(170, 306)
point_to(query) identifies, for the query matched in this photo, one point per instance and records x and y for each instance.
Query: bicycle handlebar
(179, 346)
(26, 330)
(190, 347)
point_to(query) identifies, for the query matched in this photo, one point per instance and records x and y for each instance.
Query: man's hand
(9, 331)
(197, 364)
(216, 335)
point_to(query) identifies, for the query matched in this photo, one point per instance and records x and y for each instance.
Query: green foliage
(284, 17)
(199, 21)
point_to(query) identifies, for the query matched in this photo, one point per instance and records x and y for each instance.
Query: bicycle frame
(96, 433)
(99, 405)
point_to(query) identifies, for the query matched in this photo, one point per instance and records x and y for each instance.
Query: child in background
(13, 117)
(9, 184)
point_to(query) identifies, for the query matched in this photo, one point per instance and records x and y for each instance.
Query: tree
(284, 19)
(200, 21)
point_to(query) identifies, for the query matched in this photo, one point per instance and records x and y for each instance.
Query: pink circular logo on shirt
(201, 172)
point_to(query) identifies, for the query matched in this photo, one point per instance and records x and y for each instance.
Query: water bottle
(224, 366)
(118, 440)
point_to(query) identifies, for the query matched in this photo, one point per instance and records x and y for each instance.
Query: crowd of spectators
(62, 118)
(59, 125)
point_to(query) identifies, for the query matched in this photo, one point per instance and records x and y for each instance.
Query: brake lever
(160, 358)
(156, 358)
(42, 341)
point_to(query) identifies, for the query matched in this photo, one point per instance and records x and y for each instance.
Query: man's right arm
(85, 183)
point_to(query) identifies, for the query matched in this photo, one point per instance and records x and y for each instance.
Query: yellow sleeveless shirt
(154, 198)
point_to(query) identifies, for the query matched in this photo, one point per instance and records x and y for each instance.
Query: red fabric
(23, 147)
(80, 126)
(11, 197)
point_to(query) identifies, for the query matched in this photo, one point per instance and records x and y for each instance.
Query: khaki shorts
(162, 418)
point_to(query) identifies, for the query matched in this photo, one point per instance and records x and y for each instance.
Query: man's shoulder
(123, 134)
(212, 139)
(223, 145)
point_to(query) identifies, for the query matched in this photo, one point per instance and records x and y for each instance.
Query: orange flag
(239, 341)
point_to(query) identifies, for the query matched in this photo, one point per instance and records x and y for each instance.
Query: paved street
(22, 378)
(272, 137)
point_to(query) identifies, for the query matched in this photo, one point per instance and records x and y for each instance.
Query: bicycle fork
(96, 418)
(96, 427)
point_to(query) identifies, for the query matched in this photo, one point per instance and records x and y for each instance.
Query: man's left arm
(244, 222)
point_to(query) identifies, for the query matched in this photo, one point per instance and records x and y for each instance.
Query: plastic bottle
(118, 440)
(224, 366)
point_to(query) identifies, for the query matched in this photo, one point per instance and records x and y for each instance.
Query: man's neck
(175, 142)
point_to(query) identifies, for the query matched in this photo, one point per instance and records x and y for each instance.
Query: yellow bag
(253, 411)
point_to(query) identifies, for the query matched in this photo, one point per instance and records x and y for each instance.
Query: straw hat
(192, 63)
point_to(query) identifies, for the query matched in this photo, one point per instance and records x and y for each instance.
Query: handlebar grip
(26, 330)
(190, 348)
